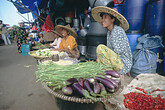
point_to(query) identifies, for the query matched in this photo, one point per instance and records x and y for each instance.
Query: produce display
(143, 100)
(45, 52)
(87, 79)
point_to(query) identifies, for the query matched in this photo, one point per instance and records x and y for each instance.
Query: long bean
(56, 74)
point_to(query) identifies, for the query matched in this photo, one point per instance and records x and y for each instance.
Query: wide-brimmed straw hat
(103, 9)
(57, 32)
(68, 28)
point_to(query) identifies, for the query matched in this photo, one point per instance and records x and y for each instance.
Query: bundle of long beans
(55, 75)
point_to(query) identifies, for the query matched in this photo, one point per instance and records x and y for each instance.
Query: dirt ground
(19, 89)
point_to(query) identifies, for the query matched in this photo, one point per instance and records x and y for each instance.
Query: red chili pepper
(157, 90)
(140, 101)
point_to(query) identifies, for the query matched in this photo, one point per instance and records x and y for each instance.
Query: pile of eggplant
(93, 87)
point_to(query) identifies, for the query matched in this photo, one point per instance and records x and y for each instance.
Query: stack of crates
(26, 48)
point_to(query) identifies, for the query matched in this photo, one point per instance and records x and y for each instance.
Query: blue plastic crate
(25, 49)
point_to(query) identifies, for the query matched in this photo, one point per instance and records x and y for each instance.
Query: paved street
(18, 87)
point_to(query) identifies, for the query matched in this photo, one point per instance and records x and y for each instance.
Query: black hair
(117, 22)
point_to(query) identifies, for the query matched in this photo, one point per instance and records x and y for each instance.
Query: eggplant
(87, 86)
(103, 91)
(82, 91)
(106, 82)
(91, 80)
(112, 73)
(107, 76)
(96, 88)
(110, 90)
(67, 90)
(69, 81)
(80, 81)
(112, 81)
(116, 79)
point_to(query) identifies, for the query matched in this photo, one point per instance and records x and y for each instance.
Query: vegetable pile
(87, 79)
(43, 52)
(144, 101)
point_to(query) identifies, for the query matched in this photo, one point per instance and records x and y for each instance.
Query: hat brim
(102, 9)
(60, 27)
(57, 32)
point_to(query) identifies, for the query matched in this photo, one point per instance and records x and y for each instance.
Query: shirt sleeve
(61, 44)
(57, 43)
(54, 43)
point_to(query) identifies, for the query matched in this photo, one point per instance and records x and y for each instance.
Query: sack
(144, 59)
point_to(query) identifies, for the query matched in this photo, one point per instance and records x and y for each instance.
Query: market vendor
(57, 40)
(68, 43)
(117, 54)
(41, 37)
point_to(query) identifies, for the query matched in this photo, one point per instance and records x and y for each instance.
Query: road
(18, 87)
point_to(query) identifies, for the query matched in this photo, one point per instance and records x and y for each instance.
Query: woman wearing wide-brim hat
(117, 54)
(68, 43)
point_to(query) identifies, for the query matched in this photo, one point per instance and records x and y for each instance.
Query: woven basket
(32, 53)
(59, 94)
(48, 36)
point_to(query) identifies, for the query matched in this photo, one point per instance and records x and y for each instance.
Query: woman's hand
(54, 49)
(66, 50)
(122, 76)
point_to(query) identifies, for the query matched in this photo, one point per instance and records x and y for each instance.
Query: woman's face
(107, 21)
(64, 32)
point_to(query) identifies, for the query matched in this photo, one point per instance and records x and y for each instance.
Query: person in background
(117, 54)
(21, 35)
(4, 33)
(57, 40)
(41, 38)
(68, 43)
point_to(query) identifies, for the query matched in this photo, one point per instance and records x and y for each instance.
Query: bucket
(155, 18)
(134, 12)
(132, 39)
(119, 1)
(119, 8)
(25, 49)
(76, 22)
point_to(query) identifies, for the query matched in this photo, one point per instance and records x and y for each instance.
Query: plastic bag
(144, 59)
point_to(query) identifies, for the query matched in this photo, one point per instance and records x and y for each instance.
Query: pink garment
(56, 43)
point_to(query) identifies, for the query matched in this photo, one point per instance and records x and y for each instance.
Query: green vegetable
(44, 52)
(57, 74)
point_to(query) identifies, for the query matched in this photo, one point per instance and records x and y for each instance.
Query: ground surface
(18, 87)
